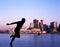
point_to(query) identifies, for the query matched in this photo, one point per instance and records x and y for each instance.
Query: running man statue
(17, 29)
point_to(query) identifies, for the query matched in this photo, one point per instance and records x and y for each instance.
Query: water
(31, 40)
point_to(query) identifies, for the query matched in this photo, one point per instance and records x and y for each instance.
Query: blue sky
(14, 10)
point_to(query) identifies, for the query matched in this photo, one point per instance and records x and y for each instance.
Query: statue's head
(23, 19)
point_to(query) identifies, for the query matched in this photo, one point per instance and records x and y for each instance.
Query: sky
(14, 10)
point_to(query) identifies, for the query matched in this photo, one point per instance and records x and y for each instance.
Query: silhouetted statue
(11, 45)
(17, 29)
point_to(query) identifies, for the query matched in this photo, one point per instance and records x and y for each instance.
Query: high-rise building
(35, 21)
(46, 28)
(53, 26)
(31, 25)
(58, 29)
(41, 25)
(36, 25)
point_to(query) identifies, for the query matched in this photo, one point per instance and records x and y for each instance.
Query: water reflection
(47, 40)
(31, 40)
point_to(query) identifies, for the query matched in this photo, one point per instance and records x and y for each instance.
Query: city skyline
(14, 10)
